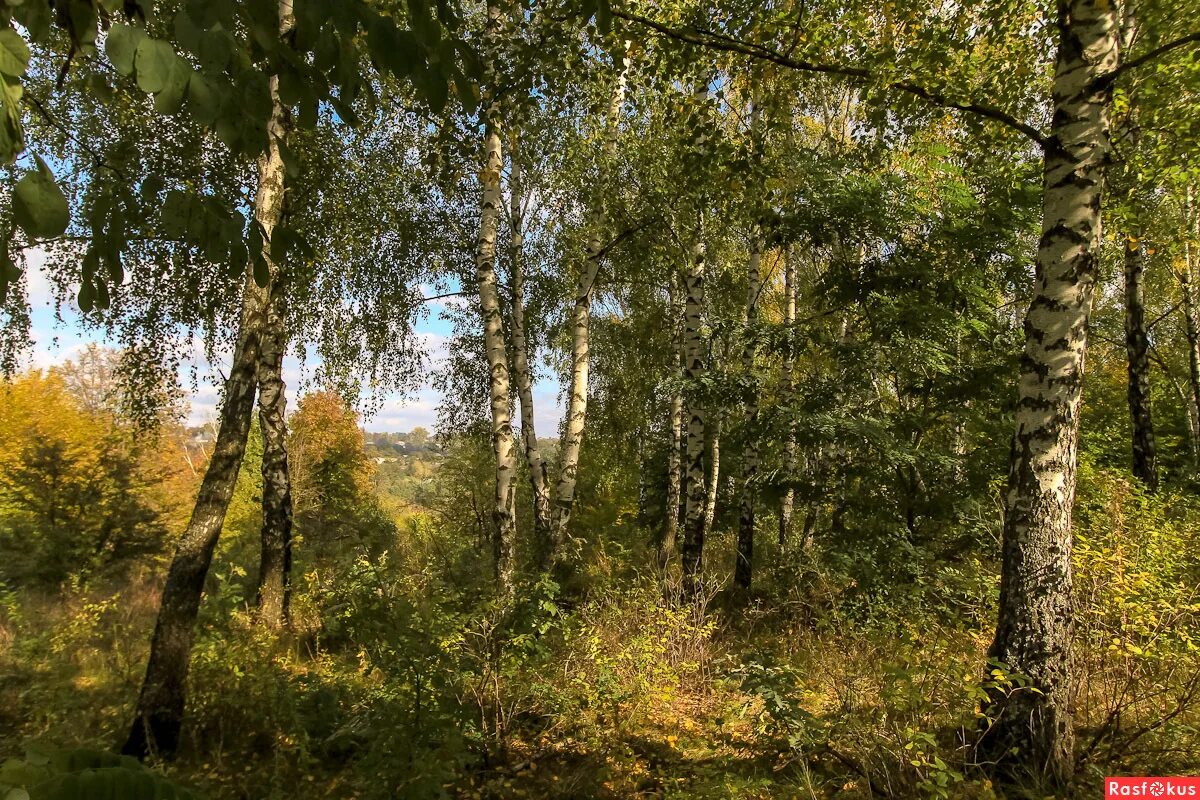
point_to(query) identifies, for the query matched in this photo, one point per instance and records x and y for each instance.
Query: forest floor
(401, 679)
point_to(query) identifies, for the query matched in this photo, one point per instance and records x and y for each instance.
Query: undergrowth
(401, 680)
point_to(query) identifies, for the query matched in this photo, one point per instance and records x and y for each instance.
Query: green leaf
(121, 46)
(39, 206)
(154, 61)
(214, 50)
(603, 17)
(86, 297)
(97, 84)
(203, 99)
(170, 99)
(14, 53)
(35, 18)
(176, 210)
(84, 22)
(187, 33)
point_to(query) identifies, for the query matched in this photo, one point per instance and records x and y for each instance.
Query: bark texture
(1033, 732)
(692, 554)
(716, 428)
(744, 563)
(504, 517)
(1137, 350)
(275, 562)
(158, 717)
(576, 416)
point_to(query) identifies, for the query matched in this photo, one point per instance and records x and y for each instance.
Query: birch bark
(692, 554)
(504, 518)
(275, 562)
(576, 416)
(1191, 323)
(158, 716)
(1034, 731)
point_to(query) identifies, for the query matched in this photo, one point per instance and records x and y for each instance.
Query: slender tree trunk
(714, 469)
(787, 505)
(692, 555)
(504, 517)
(670, 540)
(643, 501)
(564, 490)
(1137, 348)
(158, 717)
(1191, 323)
(744, 563)
(1033, 732)
(538, 479)
(275, 563)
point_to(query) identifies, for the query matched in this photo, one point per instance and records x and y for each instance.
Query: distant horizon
(56, 340)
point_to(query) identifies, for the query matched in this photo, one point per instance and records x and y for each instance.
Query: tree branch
(719, 41)
(1158, 52)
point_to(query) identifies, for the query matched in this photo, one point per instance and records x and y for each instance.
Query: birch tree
(503, 447)
(158, 716)
(1137, 349)
(744, 564)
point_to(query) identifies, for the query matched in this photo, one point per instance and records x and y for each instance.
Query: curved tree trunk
(275, 563)
(744, 563)
(788, 503)
(158, 717)
(1033, 732)
(1137, 348)
(576, 417)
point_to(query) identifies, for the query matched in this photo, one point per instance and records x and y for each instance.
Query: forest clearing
(599, 399)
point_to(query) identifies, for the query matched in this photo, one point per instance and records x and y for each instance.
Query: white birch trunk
(576, 416)
(503, 447)
(1034, 731)
(694, 368)
(1191, 323)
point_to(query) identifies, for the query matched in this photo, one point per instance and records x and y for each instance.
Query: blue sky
(57, 340)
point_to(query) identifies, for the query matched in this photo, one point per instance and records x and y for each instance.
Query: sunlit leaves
(14, 54)
(14, 59)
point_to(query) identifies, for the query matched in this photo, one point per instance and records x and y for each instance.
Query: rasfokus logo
(1151, 787)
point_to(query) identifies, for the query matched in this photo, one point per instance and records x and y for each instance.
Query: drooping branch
(719, 41)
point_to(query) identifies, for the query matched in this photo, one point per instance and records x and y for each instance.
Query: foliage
(78, 491)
